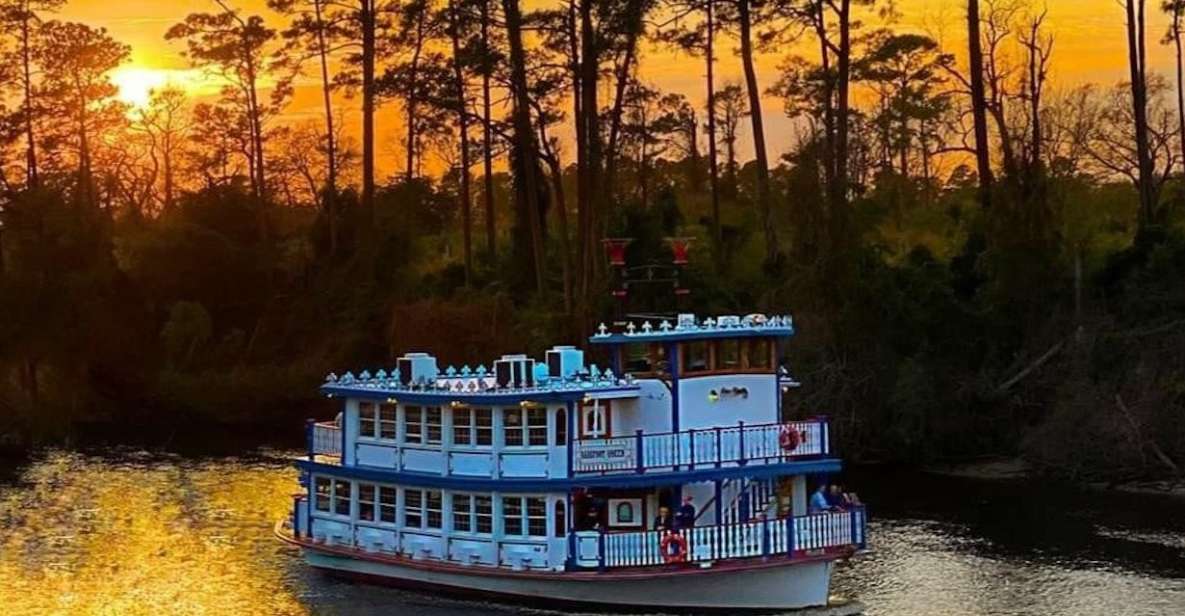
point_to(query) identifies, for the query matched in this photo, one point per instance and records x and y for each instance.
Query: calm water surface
(123, 532)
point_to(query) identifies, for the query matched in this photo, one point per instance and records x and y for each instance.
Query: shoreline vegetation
(978, 263)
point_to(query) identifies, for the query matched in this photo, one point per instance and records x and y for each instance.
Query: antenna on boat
(653, 283)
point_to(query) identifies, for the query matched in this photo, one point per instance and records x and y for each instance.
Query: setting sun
(137, 83)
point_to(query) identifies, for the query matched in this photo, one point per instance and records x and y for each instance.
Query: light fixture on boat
(530, 404)
(392, 401)
(457, 404)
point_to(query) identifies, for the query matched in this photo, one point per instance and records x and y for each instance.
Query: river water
(124, 532)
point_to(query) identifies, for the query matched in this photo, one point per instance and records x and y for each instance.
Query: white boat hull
(793, 585)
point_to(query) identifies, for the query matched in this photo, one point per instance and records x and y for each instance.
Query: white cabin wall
(696, 411)
(649, 412)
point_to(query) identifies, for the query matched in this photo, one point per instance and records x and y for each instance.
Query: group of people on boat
(684, 516)
(831, 497)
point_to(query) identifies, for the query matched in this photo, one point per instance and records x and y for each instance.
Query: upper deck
(688, 327)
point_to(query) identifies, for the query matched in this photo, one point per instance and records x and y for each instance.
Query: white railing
(325, 439)
(725, 445)
(764, 537)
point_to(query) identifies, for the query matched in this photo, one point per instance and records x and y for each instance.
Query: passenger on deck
(819, 502)
(664, 520)
(837, 498)
(685, 516)
(592, 519)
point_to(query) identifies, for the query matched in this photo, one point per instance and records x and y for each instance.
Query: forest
(979, 262)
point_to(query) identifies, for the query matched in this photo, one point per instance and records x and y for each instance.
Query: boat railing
(790, 537)
(702, 448)
(324, 439)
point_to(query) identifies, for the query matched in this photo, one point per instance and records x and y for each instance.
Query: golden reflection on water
(85, 535)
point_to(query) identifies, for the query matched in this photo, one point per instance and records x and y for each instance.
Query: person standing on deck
(685, 516)
(819, 502)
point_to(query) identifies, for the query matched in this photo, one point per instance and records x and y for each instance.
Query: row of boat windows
(521, 516)
(423, 425)
(702, 356)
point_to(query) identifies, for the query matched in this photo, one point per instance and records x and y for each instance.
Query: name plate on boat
(606, 455)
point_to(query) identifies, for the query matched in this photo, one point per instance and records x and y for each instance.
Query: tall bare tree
(983, 159)
(1138, 68)
(22, 17)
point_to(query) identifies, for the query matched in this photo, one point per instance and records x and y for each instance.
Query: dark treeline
(979, 262)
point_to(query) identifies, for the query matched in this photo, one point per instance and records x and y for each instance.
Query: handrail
(789, 537)
(715, 446)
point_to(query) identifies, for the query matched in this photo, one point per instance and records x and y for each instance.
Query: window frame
(478, 513)
(531, 429)
(528, 514)
(429, 510)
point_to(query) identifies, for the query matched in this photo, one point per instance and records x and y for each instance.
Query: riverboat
(552, 480)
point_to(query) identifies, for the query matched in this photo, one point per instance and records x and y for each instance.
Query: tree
(744, 19)
(979, 105)
(732, 108)
(315, 33)
(22, 17)
(525, 158)
(234, 48)
(166, 123)
(1176, 31)
(456, 24)
(1137, 63)
(76, 61)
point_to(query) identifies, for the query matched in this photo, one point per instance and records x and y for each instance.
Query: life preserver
(789, 438)
(676, 541)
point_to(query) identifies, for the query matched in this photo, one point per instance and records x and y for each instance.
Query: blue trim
(572, 428)
(673, 360)
(498, 398)
(673, 336)
(626, 480)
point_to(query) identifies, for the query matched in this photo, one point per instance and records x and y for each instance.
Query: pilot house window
(376, 421)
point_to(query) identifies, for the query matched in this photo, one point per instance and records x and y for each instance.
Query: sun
(137, 83)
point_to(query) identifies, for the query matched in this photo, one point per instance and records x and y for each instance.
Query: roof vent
(417, 368)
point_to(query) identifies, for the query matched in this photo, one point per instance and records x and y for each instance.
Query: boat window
(367, 496)
(413, 508)
(432, 425)
(422, 508)
(758, 354)
(472, 513)
(524, 516)
(472, 426)
(595, 420)
(462, 513)
(435, 508)
(388, 502)
(561, 427)
(387, 421)
(524, 426)
(637, 357)
(695, 357)
(483, 507)
(341, 497)
(536, 517)
(728, 354)
(323, 494)
(366, 419)
(413, 424)
(512, 515)
(561, 519)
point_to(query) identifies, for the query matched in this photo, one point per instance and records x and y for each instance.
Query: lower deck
(586, 529)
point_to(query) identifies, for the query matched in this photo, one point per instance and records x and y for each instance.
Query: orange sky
(1090, 47)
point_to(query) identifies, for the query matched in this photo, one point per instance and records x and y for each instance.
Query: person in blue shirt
(818, 502)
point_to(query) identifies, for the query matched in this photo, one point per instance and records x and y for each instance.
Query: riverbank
(1017, 469)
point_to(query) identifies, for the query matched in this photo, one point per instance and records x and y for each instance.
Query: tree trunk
(839, 195)
(1137, 66)
(486, 133)
(1177, 35)
(979, 106)
(527, 186)
(713, 163)
(463, 128)
(32, 178)
(366, 17)
(772, 253)
(413, 98)
(623, 78)
(330, 203)
(595, 191)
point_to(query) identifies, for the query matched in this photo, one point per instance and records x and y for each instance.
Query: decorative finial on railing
(647, 327)
(602, 330)
(664, 326)
(630, 329)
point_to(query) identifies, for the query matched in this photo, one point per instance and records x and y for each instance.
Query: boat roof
(475, 388)
(688, 327)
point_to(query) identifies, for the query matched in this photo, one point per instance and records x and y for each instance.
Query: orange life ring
(789, 438)
(676, 540)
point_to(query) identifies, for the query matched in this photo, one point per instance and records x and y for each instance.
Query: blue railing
(324, 439)
(790, 537)
(709, 447)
